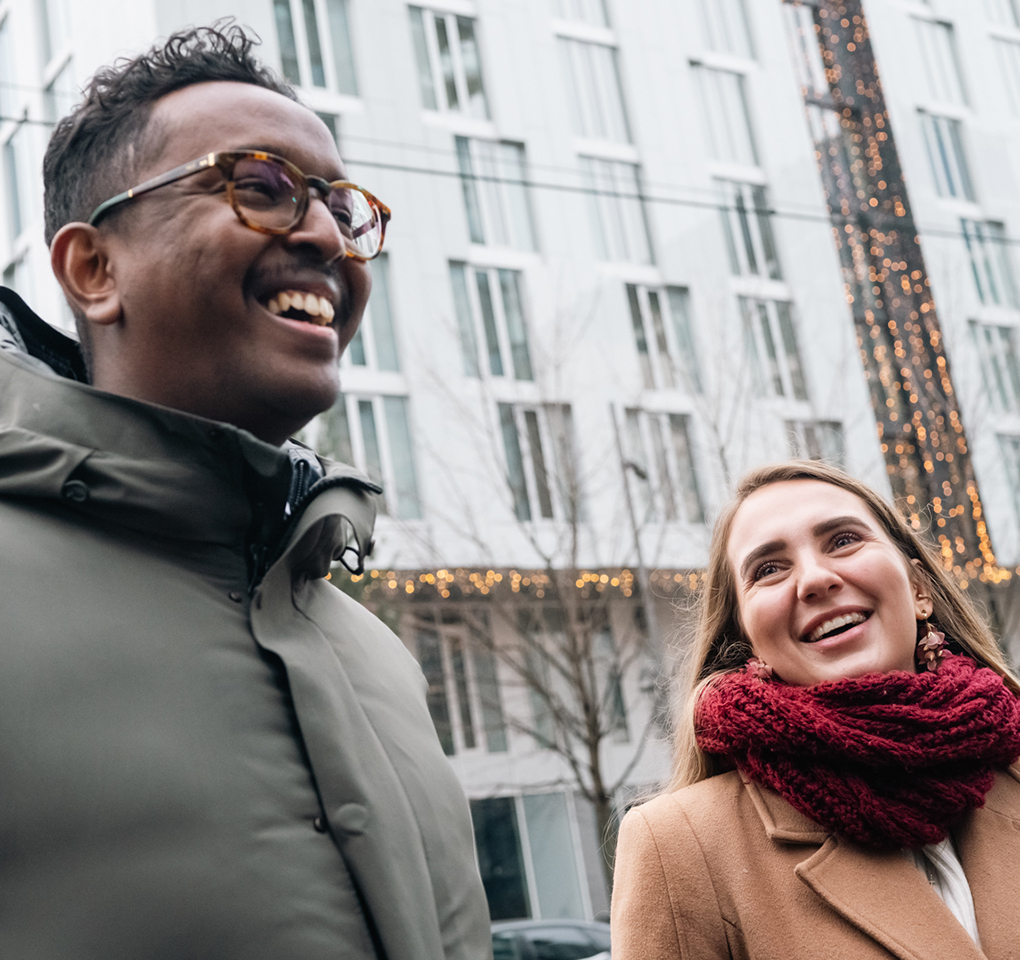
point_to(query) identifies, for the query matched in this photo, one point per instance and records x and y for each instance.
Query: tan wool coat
(728, 869)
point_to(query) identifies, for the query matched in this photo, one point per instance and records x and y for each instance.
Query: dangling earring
(758, 669)
(931, 648)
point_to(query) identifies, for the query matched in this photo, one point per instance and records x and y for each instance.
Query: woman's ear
(81, 264)
(921, 586)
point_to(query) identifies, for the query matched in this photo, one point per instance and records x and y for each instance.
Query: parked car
(550, 940)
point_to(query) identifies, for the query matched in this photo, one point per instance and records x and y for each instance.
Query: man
(208, 750)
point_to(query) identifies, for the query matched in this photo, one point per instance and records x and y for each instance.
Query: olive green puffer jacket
(206, 749)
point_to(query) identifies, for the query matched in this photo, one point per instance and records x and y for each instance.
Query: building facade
(614, 281)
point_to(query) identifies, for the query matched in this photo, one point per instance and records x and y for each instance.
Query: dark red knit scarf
(888, 760)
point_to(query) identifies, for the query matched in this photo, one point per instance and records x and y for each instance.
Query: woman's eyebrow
(758, 552)
(848, 521)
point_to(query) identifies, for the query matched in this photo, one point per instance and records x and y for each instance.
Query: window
(449, 63)
(375, 343)
(587, 11)
(724, 105)
(315, 44)
(1004, 12)
(664, 339)
(54, 27)
(8, 100)
(991, 261)
(1010, 447)
(61, 94)
(800, 25)
(817, 440)
(772, 346)
(374, 434)
(617, 210)
(726, 27)
(997, 346)
(1008, 54)
(538, 443)
(941, 65)
(943, 139)
(660, 457)
(489, 304)
(596, 98)
(494, 181)
(747, 225)
(17, 165)
(463, 691)
(529, 867)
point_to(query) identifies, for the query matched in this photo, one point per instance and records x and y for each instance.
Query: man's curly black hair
(97, 150)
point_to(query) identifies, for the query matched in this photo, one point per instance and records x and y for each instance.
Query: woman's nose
(816, 577)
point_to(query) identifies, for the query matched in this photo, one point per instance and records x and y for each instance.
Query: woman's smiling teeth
(836, 623)
(297, 305)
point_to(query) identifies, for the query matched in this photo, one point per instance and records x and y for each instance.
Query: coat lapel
(988, 843)
(883, 894)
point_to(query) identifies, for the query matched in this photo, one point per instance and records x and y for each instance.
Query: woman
(842, 785)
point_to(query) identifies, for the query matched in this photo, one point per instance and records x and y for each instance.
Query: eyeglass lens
(268, 194)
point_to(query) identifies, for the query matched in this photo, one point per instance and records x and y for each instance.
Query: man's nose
(318, 228)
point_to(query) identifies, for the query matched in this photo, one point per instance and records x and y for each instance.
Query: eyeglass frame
(225, 160)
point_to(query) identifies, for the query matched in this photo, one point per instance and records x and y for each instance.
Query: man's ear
(80, 259)
(921, 587)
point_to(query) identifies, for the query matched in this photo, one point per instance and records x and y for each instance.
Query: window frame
(747, 228)
(405, 507)
(484, 344)
(609, 200)
(493, 195)
(665, 365)
(745, 153)
(671, 490)
(470, 730)
(594, 114)
(947, 156)
(771, 344)
(548, 491)
(434, 68)
(327, 43)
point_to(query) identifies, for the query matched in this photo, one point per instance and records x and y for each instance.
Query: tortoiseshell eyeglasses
(271, 195)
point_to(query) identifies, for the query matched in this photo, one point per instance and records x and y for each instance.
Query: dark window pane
(514, 462)
(470, 188)
(538, 462)
(314, 46)
(489, 322)
(499, 857)
(431, 659)
(463, 697)
(285, 37)
(492, 707)
(335, 434)
(421, 54)
(342, 59)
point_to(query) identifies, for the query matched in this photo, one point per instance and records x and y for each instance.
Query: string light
(887, 288)
(463, 582)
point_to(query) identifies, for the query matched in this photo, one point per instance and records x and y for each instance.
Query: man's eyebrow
(758, 552)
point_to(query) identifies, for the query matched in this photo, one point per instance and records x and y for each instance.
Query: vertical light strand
(920, 427)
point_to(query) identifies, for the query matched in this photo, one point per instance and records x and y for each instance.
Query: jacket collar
(884, 895)
(155, 471)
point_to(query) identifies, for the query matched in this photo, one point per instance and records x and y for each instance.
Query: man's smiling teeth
(847, 620)
(317, 310)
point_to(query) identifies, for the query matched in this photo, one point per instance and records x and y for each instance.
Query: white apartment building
(610, 287)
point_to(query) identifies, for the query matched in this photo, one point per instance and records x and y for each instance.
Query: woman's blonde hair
(720, 646)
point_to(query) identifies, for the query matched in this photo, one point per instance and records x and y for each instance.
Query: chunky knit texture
(888, 760)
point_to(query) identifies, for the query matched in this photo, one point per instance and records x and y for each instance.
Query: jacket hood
(154, 470)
